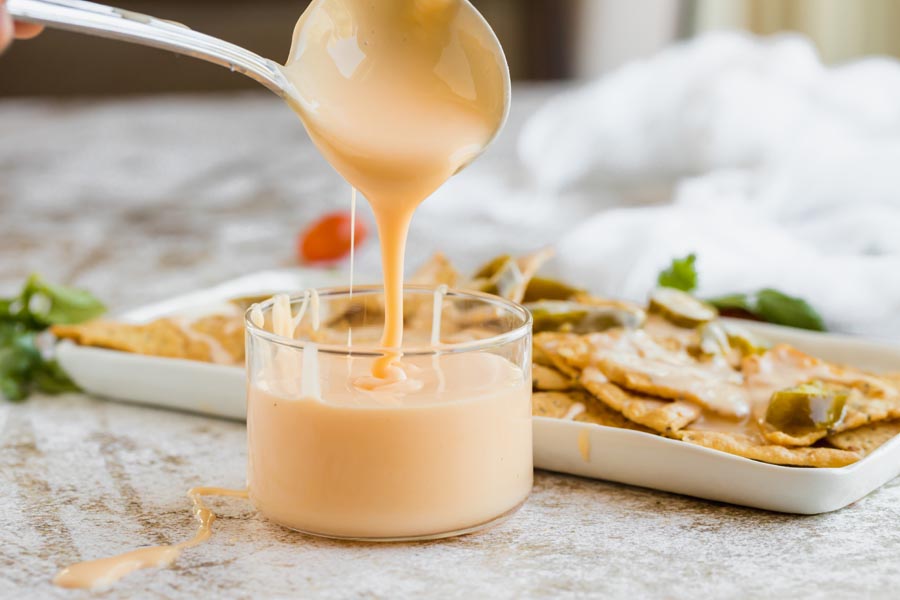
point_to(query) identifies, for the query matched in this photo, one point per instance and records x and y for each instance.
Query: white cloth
(783, 172)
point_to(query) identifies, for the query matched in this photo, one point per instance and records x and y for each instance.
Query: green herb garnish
(774, 307)
(681, 275)
(768, 305)
(23, 366)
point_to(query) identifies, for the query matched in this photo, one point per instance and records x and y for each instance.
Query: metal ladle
(118, 24)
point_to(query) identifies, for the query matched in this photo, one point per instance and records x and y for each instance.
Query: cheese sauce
(106, 571)
(398, 95)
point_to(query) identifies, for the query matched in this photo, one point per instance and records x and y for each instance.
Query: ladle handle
(118, 24)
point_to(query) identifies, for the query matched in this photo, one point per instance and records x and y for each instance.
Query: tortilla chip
(663, 416)
(549, 379)
(634, 360)
(163, 337)
(748, 447)
(892, 378)
(669, 335)
(539, 357)
(436, 271)
(783, 438)
(871, 398)
(861, 410)
(687, 382)
(555, 348)
(598, 413)
(555, 405)
(225, 330)
(579, 406)
(527, 266)
(418, 308)
(865, 439)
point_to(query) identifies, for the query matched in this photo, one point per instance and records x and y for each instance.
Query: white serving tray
(188, 385)
(584, 449)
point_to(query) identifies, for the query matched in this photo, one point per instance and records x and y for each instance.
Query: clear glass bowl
(444, 452)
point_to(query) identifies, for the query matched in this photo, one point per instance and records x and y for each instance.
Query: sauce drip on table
(104, 572)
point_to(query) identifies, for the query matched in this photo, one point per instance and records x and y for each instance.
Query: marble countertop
(140, 199)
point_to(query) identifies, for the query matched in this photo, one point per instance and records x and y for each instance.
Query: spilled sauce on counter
(103, 572)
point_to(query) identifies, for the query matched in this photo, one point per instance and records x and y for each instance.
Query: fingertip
(26, 31)
(6, 28)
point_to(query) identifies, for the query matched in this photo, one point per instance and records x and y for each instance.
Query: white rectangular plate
(584, 449)
(209, 389)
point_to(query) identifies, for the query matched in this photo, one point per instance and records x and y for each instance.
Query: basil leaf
(6, 305)
(18, 354)
(23, 368)
(774, 307)
(13, 389)
(18, 358)
(681, 274)
(777, 307)
(50, 378)
(48, 304)
(745, 302)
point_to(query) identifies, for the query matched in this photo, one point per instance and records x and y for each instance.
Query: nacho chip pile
(660, 379)
(672, 368)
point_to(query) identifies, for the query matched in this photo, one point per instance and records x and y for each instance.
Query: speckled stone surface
(141, 199)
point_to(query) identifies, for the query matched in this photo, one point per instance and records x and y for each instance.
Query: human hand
(10, 29)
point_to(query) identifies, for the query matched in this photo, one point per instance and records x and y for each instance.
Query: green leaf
(774, 307)
(18, 358)
(744, 302)
(50, 378)
(681, 275)
(6, 308)
(10, 330)
(18, 354)
(48, 304)
(13, 389)
(40, 304)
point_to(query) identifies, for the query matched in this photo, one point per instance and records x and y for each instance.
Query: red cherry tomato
(328, 239)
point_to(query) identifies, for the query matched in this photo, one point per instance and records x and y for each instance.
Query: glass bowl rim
(515, 334)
